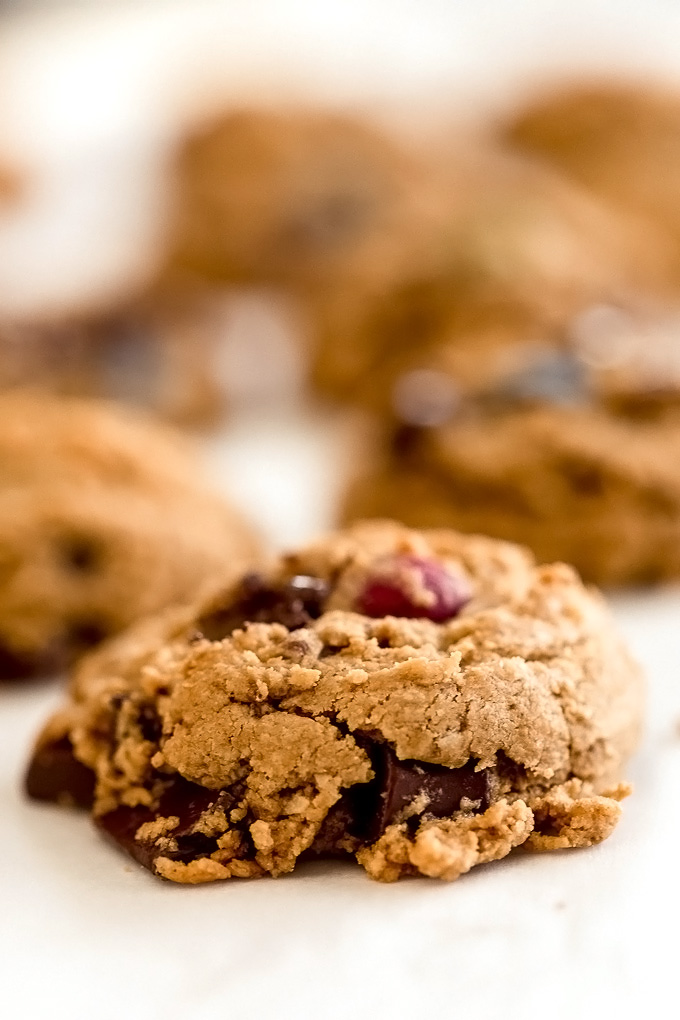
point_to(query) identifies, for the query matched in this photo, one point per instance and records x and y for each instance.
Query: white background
(89, 103)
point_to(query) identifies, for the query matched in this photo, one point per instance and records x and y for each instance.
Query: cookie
(104, 517)
(517, 252)
(571, 449)
(620, 140)
(160, 350)
(291, 195)
(421, 702)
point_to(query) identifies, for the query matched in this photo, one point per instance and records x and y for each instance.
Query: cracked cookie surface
(278, 720)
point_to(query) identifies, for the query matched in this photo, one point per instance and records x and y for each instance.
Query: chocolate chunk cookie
(422, 702)
(291, 195)
(160, 349)
(104, 517)
(570, 448)
(511, 253)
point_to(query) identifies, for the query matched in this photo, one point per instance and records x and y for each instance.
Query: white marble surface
(574, 934)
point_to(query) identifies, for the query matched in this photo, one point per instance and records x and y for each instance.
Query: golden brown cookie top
(443, 645)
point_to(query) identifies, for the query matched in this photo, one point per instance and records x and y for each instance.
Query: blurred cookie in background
(295, 194)
(572, 450)
(160, 351)
(516, 252)
(104, 517)
(621, 140)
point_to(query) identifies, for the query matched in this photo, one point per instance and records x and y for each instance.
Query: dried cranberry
(389, 594)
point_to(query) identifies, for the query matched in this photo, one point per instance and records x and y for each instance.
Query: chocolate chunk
(293, 604)
(398, 784)
(122, 824)
(150, 724)
(332, 838)
(55, 774)
(185, 800)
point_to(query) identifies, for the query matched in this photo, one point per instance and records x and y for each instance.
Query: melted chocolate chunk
(293, 604)
(55, 774)
(149, 724)
(336, 826)
(187, 801)
(398, 784)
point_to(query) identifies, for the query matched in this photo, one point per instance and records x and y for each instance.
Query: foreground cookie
(424, 702)
(103, 518)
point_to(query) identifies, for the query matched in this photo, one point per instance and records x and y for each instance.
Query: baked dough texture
(104, 517)
(420, 701)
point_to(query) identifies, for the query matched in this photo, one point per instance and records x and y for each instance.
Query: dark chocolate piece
(187, 801)
(398, 783)
(340, 822)
(55, 774)
(150, 724)
(294, 604)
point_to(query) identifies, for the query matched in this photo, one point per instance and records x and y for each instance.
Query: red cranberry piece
(399, 582)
